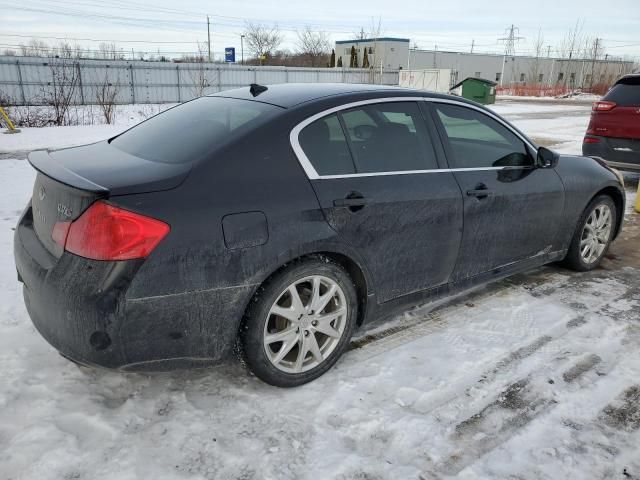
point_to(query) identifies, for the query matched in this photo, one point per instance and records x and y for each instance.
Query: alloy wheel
(595, 234)
(305, 324)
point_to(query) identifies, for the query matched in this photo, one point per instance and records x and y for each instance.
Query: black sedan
(280, 219)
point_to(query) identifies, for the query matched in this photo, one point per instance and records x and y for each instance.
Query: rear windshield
(624, 95)
(190, 131)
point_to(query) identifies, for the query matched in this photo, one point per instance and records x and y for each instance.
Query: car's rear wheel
(593, 236)
(299, 323)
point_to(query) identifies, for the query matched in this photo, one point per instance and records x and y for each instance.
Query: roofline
(489, 54)
(369, 40)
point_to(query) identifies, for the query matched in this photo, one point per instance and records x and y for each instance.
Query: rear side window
(326, 147)
(192, 130)
(389, 137)
(624, 95)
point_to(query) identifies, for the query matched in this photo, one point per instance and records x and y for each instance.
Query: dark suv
(614, 130)
(280, 219)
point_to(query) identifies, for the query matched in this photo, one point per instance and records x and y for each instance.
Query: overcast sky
(451, 25)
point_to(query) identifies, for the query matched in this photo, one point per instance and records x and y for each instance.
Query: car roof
(288, 95)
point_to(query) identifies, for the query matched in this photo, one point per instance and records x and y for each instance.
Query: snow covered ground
(534, 377)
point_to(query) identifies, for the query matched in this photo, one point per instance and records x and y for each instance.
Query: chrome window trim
(312, 174)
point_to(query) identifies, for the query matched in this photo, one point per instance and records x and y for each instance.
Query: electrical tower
(510, 40)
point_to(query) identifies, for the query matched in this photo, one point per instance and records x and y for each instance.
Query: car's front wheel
(593, 236)
(299, 322)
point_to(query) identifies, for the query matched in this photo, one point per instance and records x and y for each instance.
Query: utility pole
(435, 51)
(472, 44)
(209, 38)
(548, 50)
(242, 49)
(594, 57)
(510, 49)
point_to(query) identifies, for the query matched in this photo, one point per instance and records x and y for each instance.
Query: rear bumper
(623, 154)
(81, 308)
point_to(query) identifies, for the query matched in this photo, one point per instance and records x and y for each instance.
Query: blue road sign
(230, 54)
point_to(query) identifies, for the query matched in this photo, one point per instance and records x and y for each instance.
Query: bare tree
(106, 94)
(201, 76)
(65, 50)
(35, 48)
(536, 64)
(9, 52)
(314, 45)
(59, 95)
(107, 51)
(571, 49)
(262, 40)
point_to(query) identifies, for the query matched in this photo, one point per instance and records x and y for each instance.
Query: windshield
(190, 131)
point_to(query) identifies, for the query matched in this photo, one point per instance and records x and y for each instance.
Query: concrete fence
(38, 80)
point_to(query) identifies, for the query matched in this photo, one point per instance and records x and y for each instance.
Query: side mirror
(546, 158)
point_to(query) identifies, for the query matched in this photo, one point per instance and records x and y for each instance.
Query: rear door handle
(351, 202)
(480, 193)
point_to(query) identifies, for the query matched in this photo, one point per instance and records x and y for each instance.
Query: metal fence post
(24, 100)
(133, 87)
(219, 80)
(178, 77)
(80, 82)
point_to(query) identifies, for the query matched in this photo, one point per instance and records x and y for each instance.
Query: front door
(381, 190)
(512, 209)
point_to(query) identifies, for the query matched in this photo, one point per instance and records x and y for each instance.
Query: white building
(394, 53)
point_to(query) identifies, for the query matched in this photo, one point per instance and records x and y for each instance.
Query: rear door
(512, 210)
(374, 170)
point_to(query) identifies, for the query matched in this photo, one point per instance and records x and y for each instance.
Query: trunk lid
(52, 202)
(70, 180)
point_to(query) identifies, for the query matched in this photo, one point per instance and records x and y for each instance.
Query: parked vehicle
(614, 130)
(282, 218)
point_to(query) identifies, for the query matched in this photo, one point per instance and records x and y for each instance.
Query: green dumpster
(479, 90)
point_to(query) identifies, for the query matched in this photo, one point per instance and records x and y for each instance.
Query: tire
(286, 343)
(576, 258)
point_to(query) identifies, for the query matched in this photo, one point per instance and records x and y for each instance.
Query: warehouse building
(395, 53)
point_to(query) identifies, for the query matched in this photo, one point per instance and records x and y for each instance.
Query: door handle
(480, 193)
(354, 201)
(351, 202)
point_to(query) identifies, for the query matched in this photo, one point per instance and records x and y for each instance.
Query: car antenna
(257, 89)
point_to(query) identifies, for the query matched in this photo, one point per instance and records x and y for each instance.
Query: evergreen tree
(365, 59)
(332, 62)
(353, 62)
(339, 64)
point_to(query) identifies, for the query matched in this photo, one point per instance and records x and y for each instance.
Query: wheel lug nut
(314, 323)
(306, 333)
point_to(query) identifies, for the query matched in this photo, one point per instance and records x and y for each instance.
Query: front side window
(389, 137)
(479, 141)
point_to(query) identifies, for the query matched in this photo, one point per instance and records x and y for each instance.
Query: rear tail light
(591, 140)
(105, 232)
(603, 106)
